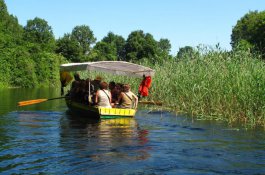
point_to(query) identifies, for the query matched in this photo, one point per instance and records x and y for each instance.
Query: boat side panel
(92, 112)
(83, 110)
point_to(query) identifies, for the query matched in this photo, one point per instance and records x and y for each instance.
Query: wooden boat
(114, 67)
(98, 112)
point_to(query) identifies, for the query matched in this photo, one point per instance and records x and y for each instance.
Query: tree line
(30, 55)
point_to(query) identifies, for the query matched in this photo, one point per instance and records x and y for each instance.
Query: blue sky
(183, 22)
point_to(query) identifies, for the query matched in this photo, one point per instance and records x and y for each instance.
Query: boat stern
(115, 112)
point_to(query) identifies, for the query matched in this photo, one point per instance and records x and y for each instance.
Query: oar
(159, 103)
(31, 102)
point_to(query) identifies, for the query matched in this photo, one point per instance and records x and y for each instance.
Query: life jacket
(145, 86)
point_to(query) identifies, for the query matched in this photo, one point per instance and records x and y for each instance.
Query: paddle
(31, 102)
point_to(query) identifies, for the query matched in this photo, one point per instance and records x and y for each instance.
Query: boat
(114, 67)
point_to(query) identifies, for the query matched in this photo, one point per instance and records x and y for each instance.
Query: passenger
(112, 85)
(74, 90)
(75, 86)
(119, 87)
(127, 98)
(114, 92)
(103, 96)
(81, 91)
(76, 81)
(96, 84)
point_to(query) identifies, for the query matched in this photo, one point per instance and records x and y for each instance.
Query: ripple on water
(154, 142)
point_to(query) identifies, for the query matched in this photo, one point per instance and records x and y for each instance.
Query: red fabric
(144, 86)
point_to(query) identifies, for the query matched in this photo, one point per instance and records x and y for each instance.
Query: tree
(104, 51)
(118, 42)
(26, 54)
(185, 52)
(3, 9)
(69, 48)
(134, 45)
(39, 33)
(251, 29)
(164, 45)
(84, 36)
(140, 45)
(164, 48)
(11, 32)
(10, 38)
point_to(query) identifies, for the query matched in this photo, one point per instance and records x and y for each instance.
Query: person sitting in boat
(75, 86)
(113, 87)
(96, 84)
(76, 81)
(127, 98)
(103, 96)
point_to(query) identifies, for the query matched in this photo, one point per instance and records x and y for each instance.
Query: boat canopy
(114, 67)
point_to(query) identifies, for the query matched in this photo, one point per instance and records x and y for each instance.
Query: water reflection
(10, 98)
(54, 142)
(108, 140)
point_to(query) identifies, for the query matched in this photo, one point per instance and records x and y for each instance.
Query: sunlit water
(48, 139)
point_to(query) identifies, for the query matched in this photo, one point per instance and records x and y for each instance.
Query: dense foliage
(249, 32)
(27, 57)
(186, 52)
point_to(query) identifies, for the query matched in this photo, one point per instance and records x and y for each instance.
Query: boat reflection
(106, 139)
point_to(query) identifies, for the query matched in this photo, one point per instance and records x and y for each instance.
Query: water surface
(48, 139)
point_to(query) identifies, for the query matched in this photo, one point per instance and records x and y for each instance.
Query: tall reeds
(215, 85)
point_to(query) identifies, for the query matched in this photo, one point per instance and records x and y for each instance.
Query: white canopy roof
(114, 67)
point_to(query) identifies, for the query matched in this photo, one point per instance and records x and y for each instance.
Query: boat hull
(98, 112)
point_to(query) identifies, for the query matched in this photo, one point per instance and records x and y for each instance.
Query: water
(47, 139)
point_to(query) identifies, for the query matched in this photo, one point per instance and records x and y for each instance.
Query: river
(46, 138)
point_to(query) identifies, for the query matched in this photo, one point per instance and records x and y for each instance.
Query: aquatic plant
(214, 84)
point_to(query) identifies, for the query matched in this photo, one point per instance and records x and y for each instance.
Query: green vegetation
(27, 57)
(215, 85)
(249, 32)
(208, 83)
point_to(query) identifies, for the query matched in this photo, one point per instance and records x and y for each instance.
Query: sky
(182, 22)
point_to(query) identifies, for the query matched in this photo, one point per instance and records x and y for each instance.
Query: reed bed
(214, 85)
